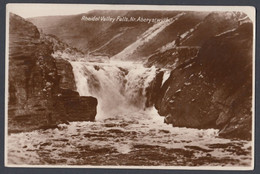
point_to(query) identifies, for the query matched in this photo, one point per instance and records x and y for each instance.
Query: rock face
(212, 89)
(41, 89)
(64, 69)
(153, 88)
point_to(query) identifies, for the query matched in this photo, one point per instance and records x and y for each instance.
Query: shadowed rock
(41, 91)
(213, 89)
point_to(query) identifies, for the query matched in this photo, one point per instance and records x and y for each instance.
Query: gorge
(131, 94)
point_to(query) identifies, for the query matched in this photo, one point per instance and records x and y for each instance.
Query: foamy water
(138, 139)
(119, 86)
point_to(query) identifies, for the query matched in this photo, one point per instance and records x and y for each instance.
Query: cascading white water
(120, 87)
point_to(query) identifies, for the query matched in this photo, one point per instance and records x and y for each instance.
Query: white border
(249, 10)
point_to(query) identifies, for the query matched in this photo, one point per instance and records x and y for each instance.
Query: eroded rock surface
(41, 89)
(212, 89)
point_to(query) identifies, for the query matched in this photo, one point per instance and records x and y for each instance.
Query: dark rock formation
(152, 90)
(213, 89)
(232, 76)
(41, 89)
(64, 70)
(76, 108)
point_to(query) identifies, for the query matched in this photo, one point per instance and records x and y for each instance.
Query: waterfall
(120, 87)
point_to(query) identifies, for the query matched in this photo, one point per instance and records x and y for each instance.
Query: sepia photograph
(130, 86)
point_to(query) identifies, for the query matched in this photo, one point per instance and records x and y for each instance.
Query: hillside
(136, 40)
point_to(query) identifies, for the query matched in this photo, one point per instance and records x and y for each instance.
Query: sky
(34, 10)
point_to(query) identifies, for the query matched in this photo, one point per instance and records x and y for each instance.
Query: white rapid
(120, 87)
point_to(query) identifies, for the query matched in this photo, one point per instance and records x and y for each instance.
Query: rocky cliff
(210, 87)
(41, 89)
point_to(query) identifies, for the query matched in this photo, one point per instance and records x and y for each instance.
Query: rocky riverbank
(41, 90)
(210, 87)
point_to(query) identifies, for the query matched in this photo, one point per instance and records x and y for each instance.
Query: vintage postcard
(130, 86)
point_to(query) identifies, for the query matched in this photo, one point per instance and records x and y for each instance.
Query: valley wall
(42, 91)
(211, 86)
